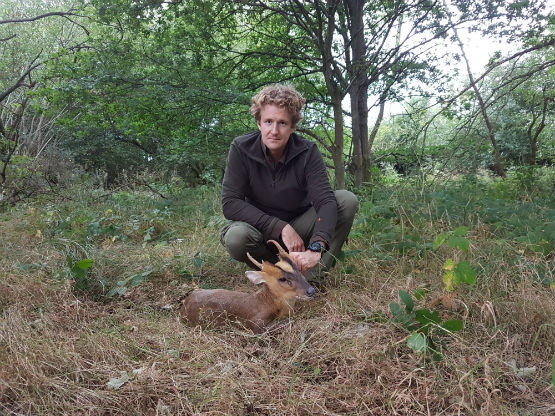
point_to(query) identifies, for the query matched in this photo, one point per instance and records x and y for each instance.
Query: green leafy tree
(29, 34)
(150, 91)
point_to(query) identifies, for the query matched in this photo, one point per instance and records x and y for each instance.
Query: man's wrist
(317, 246)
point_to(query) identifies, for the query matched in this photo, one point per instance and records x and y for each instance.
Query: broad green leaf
(81, 283)
(465, 273)
(459, 242)
(417, 342)
(460, 231)
(84, 264)
(400, 314)
(440, 239)
(395, 309)
(449, 280)
(138, 278)
(116, 291)
(449, 277)
(426, 316)
(453, 325)
(197, 260)
(407, 300)
(419, 293)
(449, 265)
(78, 273)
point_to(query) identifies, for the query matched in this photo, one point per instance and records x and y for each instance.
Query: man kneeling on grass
(276, 187)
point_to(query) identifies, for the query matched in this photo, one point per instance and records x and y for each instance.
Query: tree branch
(19, 82)
(42, 16)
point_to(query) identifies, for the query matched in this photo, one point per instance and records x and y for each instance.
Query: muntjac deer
(282, 284)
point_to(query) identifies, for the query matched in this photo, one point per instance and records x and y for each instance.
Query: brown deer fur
(282, 284)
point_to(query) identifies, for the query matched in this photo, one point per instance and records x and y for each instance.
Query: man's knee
(238, 238)
(347, 204)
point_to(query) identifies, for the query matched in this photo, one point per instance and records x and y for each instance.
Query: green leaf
(407, 300)
(449, 277)
(426, 316)
(78, 273)
(417, 342)
(419, 294)
(138, 278)
(460, 231)
(440, 239)
(465, 273)
(396, 309)
(84, 264)
(197, 260)
(459, 242)
(116, 291)
(453, 325)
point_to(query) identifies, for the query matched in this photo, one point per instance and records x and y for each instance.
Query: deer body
(281, 285)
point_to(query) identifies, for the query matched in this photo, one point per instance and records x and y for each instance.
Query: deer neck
(280, 306)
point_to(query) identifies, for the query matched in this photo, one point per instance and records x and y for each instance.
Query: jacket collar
(252, 146)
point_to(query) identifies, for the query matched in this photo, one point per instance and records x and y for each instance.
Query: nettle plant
(428, 331)
(455, 272)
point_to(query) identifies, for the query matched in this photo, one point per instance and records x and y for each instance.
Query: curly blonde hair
(285, 96)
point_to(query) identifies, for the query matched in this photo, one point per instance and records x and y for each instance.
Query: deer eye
(282, 279)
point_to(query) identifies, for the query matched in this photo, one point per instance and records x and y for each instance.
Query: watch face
(316, 246)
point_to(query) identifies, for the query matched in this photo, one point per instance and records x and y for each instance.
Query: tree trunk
(359, 93)
(533, 136)
(372, 137)
(337, 147)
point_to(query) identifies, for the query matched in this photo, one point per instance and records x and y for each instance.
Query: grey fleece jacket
(268, 199)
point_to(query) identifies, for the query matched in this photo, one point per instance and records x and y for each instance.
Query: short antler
(253, 261)
(279, 247)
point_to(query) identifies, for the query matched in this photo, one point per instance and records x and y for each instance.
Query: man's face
(276, 126)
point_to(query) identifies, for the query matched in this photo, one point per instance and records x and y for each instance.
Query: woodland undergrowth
(441, 303)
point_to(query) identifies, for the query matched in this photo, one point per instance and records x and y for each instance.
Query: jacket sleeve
(322, 197)
(234, 204)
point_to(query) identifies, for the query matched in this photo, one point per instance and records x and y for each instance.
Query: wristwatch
(316, 246)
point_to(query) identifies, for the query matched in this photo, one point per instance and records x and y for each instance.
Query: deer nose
(310, 291)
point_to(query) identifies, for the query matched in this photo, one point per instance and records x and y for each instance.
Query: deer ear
(255, 277)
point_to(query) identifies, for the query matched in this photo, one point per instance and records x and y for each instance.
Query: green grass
(341, 353)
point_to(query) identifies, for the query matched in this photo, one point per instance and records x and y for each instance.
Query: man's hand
(305, 260)
(291, 239)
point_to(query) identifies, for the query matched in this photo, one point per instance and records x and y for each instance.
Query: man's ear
(255, 277)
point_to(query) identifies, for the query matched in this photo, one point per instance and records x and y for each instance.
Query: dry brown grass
(340, 354)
